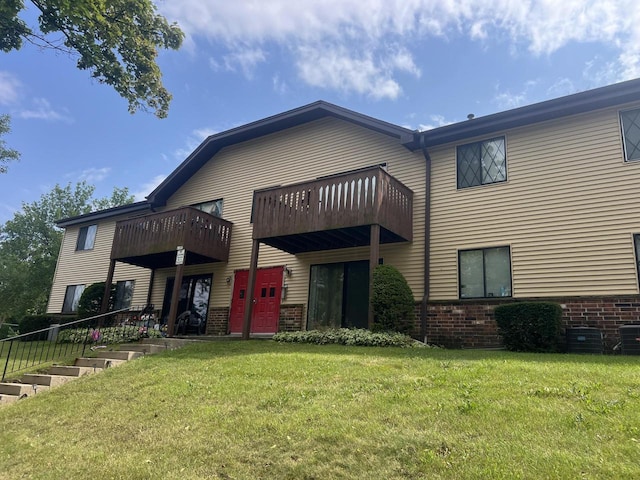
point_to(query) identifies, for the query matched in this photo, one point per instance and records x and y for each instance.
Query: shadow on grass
(208, 350)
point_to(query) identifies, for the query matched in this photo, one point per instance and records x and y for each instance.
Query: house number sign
(180, 255)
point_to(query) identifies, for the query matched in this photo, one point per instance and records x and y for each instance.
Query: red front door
(267, 294)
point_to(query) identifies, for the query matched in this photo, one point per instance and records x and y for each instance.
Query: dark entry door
(267, 294)
(194, 296)
(339, 295)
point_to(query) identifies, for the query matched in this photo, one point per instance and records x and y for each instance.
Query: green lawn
(250, 410)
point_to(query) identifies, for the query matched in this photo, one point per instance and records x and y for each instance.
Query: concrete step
(20, 389)
(97, 362)
(146, 348)
(116, 355)
(73, 371)
(45, 379)
(6, 399)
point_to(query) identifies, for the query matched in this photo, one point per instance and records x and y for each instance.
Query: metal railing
(64, 342)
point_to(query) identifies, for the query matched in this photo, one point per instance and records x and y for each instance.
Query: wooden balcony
(334, 212)
(151, 241)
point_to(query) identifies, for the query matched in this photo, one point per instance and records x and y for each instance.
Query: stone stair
(32, 384)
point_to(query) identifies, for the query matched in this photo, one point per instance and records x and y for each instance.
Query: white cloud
(338, 69)
(436, 121)
(507, 100)
(42, 110)
(343, 44)
(147, 188)
(194, 139)
(9, 88)
(94, 175)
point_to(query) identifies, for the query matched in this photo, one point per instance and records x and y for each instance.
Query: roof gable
(308, 113)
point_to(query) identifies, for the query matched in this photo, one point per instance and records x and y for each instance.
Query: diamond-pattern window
(630, 121)
(481, 163)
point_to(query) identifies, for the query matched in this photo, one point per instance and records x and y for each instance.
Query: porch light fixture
(288, 271)
(228, 279)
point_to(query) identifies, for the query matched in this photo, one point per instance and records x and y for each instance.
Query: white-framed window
(484, 272)
(213, 207)
(124, 294)
(71, 298)
(87, 237)
(481, 163)
(630, 125)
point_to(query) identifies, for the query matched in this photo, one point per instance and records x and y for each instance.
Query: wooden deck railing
(365, 197)
(194, 229)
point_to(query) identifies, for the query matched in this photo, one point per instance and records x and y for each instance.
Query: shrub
(349, 336)
(91, 300)
(529, 326)
(392, 301)
(106, 335)
(33, 323)
(6, 331)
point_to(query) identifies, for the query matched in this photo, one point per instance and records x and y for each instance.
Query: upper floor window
(630, 122)
(485, 272)
(124, 294)
(72, 298)
(481, 163)
(214, 207)
(86, 237)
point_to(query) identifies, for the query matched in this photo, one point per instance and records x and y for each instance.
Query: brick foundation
(291, 318)
(471, 324)
(218, 321)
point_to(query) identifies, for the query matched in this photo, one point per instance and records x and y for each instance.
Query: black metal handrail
(48, 345)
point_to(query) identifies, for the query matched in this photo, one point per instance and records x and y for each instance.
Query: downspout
(427, 240)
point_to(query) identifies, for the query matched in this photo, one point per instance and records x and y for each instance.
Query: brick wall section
(471, 324)
(291, 318)
(218, 321)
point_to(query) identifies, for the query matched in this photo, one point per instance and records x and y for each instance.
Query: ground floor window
(636, 243)
(124, 294)
(484, 272)
(71, 298)
(339, 295)
(194, 296)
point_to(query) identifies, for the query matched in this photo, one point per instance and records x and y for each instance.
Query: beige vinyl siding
(319, 148)
(90, 266)
(568, 210)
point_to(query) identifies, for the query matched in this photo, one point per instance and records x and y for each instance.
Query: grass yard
(258, 409)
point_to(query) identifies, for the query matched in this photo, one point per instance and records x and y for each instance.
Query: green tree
(6, 154)
(116, 40)
(30, 244)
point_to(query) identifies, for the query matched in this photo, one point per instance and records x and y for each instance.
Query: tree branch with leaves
(116, 40)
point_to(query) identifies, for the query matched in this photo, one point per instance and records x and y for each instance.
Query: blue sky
(415, 63)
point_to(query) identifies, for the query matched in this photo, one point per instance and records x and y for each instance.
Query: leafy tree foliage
(116, 40)
(30, 243)
(6, 154)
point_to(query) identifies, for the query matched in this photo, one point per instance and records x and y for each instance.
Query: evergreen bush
(392, 301)
(530, 326)
(91, 300)
(33, 323)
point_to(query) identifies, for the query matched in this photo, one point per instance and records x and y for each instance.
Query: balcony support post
(107, 287)
(374, 254)
(251, 287)
(175, 299)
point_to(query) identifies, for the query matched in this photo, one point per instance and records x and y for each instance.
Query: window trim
(482, 184)
(636, 256)
(73, 300)
(624, 142)
(86, 228)
(484, 273)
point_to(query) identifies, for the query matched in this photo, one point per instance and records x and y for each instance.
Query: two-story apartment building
(535, 202)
